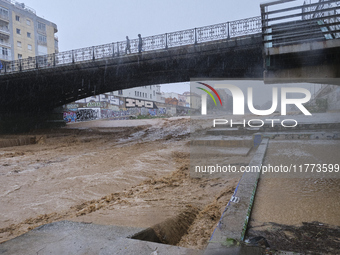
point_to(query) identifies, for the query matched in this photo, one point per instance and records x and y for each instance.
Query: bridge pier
(14, 122)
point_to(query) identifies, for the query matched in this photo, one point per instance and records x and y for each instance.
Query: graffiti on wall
(114, 100)
(97, 104)
(161, 111)
(121, 114)
(113, 108)
(70, 116)
(88, 114)
(129, 103)
(85, 114)
(72, 107)
(153, 112)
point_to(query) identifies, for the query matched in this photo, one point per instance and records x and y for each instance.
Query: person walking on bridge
(128, 45)
(140, 43)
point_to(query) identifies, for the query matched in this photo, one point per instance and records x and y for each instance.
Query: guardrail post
(53, 59)
(5, 67)
(93, 57)
(113, 49)
(166, 40)
(20, 67)
(72, 56)
(195, 35)
(228, 26)
(118, 49)
(36, 62)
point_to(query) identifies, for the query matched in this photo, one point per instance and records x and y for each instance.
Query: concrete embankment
(233, 223)
(9, 142)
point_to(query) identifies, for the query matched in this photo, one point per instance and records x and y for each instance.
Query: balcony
(5, 30)
(5, 57)
(42, 31)
(4, 17)
(6, 44)
(42, 43)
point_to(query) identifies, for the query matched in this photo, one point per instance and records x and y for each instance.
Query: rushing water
(292, 201)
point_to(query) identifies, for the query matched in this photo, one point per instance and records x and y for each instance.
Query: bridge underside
(42, 90)
(317, 62)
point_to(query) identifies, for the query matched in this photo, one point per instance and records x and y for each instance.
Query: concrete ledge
(224, 141)
(303, 47)
(232, 131)
(312, 135)
(66, 237)
(214, 151)
(234, 220)
(17, 142)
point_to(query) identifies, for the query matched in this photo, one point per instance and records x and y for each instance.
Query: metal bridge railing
(156, 42)
(314, 21)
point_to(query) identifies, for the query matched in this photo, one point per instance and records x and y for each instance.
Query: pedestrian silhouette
(128, 45)
(140, 43)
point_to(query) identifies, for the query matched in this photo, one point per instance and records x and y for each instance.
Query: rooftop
(21, 6)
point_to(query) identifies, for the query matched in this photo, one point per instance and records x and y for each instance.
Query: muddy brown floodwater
(129, 173)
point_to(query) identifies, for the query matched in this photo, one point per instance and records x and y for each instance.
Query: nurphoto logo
(239, 103)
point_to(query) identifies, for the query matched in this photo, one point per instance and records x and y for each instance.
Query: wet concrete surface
(299, 212)
(66, 237)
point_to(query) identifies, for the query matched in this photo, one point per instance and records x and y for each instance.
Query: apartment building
(23, 34)
(151, 93)
(147, 93)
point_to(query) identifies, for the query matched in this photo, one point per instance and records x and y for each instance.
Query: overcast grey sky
(83, 23)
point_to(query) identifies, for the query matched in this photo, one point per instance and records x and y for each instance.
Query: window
(28, 34)
(18, 44)
(18, 31)
(150, 96)
(19, 56)
(29, 46)
(17, 18)
(3, 12)
(28, 22)
(42, 38)
(5, 52)
(120, 92)
(41, 26)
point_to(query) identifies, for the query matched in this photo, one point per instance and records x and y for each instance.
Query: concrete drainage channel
(169, 231)
(228, 237)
